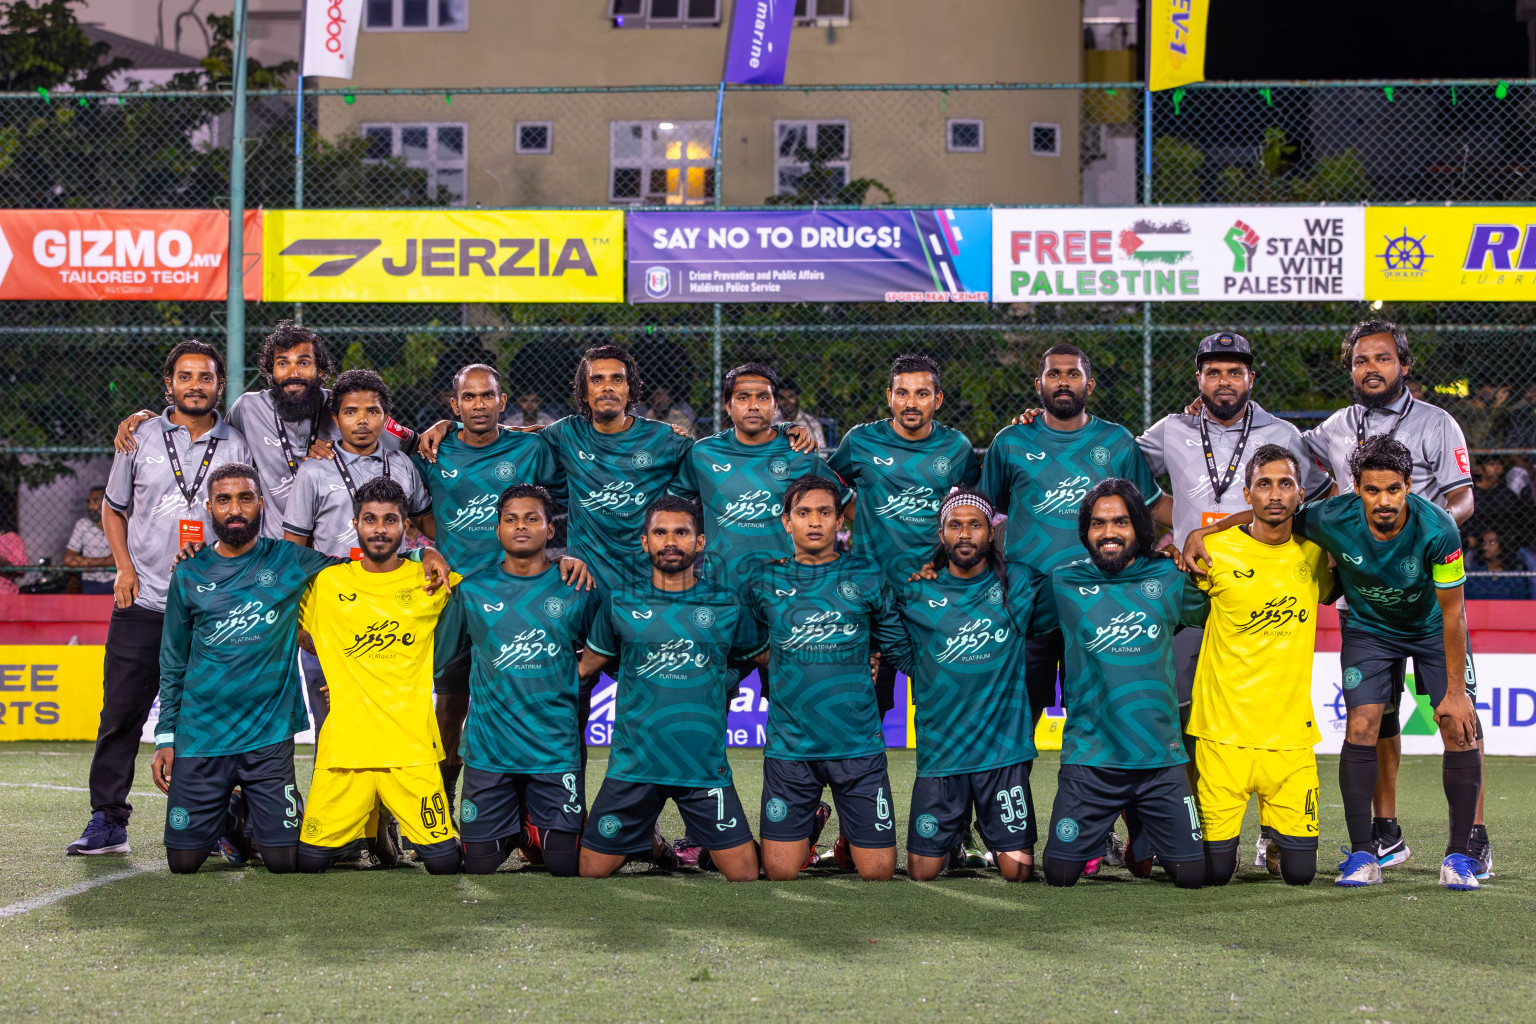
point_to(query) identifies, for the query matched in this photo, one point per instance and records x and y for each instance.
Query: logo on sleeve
(1461, 460)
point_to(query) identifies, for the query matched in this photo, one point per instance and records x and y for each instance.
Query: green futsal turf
(231, 944)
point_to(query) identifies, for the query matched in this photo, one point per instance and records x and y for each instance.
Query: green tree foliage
(820, 183)
(42, 46)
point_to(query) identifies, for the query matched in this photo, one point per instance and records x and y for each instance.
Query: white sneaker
(1261, 852)
(1360, 868)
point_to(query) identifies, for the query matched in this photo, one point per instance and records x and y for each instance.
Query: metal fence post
(717, 344)
(234, 267)
(298, 178)
(1146, 307)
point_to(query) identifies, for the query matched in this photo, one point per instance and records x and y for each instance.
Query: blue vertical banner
(758, 50)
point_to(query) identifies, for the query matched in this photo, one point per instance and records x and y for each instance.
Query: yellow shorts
(1285, 781)
(342, 800)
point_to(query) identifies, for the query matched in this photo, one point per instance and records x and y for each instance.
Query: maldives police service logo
(779, 468)
(1099, 456)
(608, 825)
(642, 459)
(776, 809)
(927, 825)
(995, 594)
(178, 819)
(1351, 678)
(554, 607)
(503, 471)
(703, 617)
(1152, 589)
(658, 282)
(848, 589)
(1409, 566)
(941, 465)
(468, 812)
(1067, 830)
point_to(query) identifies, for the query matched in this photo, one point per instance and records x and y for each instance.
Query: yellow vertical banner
(1178, 43)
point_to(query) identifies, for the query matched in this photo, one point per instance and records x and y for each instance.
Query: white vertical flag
(330, 37)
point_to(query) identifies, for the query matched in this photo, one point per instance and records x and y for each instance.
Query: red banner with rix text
(123, 254)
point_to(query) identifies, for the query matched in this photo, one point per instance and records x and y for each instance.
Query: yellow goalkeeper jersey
(373, 634)
(1253, 685)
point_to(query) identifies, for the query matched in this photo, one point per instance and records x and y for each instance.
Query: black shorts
(492, 804)
(861, 791)
(1375, 670)
(623, 817)
(941, 810)
(1157, 803)
(198, 802)
(455, 675)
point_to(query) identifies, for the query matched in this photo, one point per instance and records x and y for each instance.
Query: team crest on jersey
(848, 589)
(703, 617)
(779, 468)
(554, 607)
(1302, 573)
(994, 594)
(468, 812)
(1152, 589)
(927, 825)
(1099, 456)
(776, 809)
(503, 471)
(266, 578)
(608, 825)
(1351, 678)
(1409, 566)
(1067, 830)
(642, 459)
(405, 596)
(312, 827)
(941, 465)
(178, 818)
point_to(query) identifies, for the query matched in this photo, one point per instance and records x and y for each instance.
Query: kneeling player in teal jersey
(1123, 750)
(522, 741)
(821, 611)
(674, 634)
(975, 745)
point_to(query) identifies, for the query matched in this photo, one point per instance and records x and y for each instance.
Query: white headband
(974, 500)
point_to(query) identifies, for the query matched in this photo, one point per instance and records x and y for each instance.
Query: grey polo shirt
(142, 487)
(1172, 445)
(1440, 461)
(254, 415)
(320, 506)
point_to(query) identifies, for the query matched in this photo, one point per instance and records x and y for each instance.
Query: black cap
(1225, 345)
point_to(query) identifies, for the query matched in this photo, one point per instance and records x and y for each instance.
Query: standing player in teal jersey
(474, 464)
(900, 469)
(975, 745)
(1123, 750)
(1399, 559)
(230, 702)
(740, 476)
(522, 743)
(1037, 471)
(822, 611)
(673, 635)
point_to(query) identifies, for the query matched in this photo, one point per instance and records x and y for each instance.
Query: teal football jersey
(822, 622)
(674, 679)
(1389, 585)
(229, 680)
(466, 484)
(523, 632)
(741, 489)
(967, 672)
(1119, 689)
(900, 485)
(1039, 477)
(611, 480)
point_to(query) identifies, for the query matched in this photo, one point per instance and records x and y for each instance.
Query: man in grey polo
(1376, 352)
(154, 504)
(1206, 459)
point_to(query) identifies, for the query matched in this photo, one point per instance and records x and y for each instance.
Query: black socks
(1461, 772)
(1357, 783)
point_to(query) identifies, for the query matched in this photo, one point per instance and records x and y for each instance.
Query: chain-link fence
(73, 370)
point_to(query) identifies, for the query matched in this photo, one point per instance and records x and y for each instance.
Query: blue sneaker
(101, 835)
(1360, 868)
(1458, 872)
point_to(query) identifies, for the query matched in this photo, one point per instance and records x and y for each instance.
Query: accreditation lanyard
(190, 494)
(1365, 414)
(1220, 482)
(282, 438)
(346, 476)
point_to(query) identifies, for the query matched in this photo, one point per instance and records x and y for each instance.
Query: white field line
(49, 898)
(66, 789)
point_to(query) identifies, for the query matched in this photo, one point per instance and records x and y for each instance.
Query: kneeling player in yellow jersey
(1251, 711)
(373, 626)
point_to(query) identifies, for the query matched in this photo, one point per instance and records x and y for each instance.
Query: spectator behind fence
(675, 413)
(1520, 425)
(790, 411)
(88, 548)
(1482, 415)
(1489, 557)
(1496, 507)
(529, 411)
(12, 552)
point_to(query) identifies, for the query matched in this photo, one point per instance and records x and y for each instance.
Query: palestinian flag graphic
(1147, 241)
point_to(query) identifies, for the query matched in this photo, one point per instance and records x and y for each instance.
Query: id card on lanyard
(188, 530)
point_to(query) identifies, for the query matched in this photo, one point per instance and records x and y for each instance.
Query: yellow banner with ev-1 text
(50, 692)
(1178, 42)
(443, 256)
(1451, 253)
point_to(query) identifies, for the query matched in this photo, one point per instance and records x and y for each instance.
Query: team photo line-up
(407, 584)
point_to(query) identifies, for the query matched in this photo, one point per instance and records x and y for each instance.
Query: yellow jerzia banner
(1451, 253)
(50, 692)
(444, 256)
(1178, 42)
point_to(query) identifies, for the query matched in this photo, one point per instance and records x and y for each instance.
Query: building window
(802, 143)
(661, 162)
(1045, 139)
(664, 13)
(822, 13)
(533, 137)
(438, 149)
(965, 136)
(417, 15)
